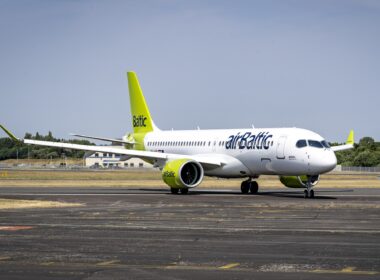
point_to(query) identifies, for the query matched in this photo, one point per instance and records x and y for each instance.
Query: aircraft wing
(123, 151)
(342, 147)
(349, 143)
(159, 156)
(102, 139)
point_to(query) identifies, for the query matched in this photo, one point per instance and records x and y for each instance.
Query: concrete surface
(138, 233)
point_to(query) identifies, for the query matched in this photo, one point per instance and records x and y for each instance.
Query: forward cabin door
(280, 152)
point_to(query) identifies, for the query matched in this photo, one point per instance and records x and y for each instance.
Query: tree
(28, 135)
(367, 143)
(366, 158)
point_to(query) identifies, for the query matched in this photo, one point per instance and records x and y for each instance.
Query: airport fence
(358, 169)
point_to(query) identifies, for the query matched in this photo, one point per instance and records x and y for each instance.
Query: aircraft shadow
(320, 194)
(293, 195)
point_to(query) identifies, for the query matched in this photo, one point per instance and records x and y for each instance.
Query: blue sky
(212, 64)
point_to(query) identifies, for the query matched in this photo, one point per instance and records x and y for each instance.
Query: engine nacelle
(182, 173)
(298, 181)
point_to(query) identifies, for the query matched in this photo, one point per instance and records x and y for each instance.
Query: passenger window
(301, 143)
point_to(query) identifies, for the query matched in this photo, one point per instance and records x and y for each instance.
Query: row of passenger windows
(189, 143)
(312, 143)
(183, 143)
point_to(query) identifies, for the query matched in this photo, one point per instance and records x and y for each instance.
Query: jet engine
(182, 173)
(298, 181)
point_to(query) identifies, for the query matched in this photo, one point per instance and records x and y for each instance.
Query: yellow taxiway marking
(47, 263)
(229, 266)
(346, 270)
(112, 262)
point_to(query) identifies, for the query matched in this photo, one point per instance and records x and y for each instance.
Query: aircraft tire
(174, 190)
(311, 194)
(305, 194)
(245, 185)
(253, 187)
(184, 190)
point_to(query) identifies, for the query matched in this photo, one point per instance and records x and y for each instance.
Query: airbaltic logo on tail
(139, 121)
(249, 141)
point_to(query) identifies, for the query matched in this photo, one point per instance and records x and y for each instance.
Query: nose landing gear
(309, 192)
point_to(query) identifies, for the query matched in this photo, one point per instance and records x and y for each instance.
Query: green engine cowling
(298, 181)
(182, 173)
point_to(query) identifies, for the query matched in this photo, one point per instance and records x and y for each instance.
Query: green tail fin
(141, 120)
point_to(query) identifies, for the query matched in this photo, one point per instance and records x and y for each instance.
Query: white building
(108, 160)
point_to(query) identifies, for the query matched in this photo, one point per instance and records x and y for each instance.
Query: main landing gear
(177, 190)
(249, 186)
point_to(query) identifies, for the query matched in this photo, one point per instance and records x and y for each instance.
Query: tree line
(10, 149)
(365, 153)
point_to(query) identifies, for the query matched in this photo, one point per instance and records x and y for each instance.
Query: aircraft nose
(325, 162)
(330, 161)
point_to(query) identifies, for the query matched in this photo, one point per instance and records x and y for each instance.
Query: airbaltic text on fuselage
(139, 121)
(248, 140)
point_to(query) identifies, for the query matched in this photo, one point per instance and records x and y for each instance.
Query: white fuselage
(248, 152)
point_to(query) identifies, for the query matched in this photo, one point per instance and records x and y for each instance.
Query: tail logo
(139, 121)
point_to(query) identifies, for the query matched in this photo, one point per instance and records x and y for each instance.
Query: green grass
(152, 178)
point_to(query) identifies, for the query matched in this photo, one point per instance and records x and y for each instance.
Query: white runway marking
(198, 193)
(223, 229)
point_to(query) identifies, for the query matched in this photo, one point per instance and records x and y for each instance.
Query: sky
(212, 64)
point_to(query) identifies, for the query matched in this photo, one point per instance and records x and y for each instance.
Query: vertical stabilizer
(141, 120)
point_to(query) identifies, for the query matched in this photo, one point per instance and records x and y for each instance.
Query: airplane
(298, 156)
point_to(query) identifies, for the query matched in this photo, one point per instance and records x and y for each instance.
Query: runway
(147, 233)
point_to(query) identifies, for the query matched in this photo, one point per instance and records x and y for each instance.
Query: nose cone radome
(330, 161)
(325, 162)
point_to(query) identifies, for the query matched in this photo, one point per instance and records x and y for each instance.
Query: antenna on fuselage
(252, 126)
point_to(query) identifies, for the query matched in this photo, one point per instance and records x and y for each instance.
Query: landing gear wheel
(184, 190)
(305, 194)
(254, 187)
(174, 190)
(245, 186)
(311, 194)
(308, 193)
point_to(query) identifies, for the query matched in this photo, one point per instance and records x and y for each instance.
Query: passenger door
(280, 151)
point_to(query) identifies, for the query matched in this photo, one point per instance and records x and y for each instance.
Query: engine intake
(182, 173)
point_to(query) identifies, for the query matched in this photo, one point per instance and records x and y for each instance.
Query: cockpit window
(316, 144)
(325, 144)
(301, 143)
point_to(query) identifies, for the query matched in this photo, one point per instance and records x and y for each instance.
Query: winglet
(350, 139)
(10, 134)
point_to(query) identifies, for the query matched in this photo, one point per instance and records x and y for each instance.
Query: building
(108, 160)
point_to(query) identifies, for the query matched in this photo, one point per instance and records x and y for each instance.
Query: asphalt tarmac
(139, 233)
